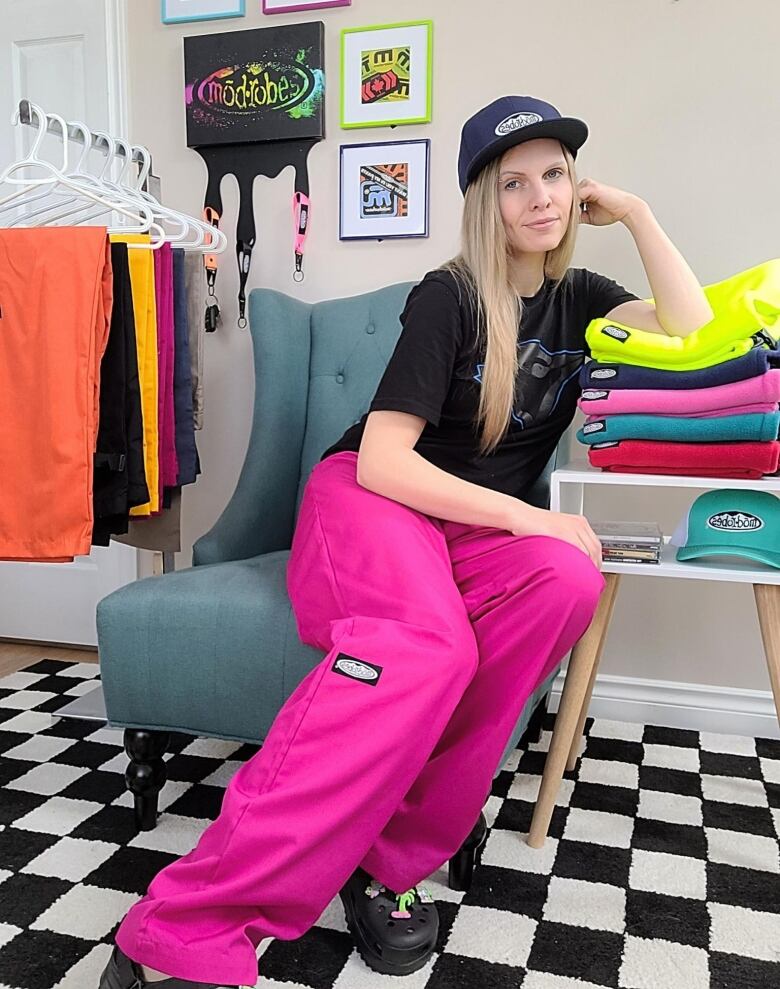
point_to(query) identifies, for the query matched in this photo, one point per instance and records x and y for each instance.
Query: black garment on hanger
(119, 479)
(246, 162)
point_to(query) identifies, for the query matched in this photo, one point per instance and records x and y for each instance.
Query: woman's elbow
(363, 470)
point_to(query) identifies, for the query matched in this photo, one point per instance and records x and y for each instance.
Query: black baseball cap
(511, 120)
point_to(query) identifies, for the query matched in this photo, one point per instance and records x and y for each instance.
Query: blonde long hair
(482, 267)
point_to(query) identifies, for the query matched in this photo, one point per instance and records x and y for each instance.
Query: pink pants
(436, 634)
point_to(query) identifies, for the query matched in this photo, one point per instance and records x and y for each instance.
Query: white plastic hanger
(76, 175)
(57, 179)
(210, 239)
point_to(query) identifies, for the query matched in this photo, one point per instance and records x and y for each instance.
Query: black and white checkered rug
(662, 869)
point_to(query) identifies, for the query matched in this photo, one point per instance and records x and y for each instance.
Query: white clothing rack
(91, 706)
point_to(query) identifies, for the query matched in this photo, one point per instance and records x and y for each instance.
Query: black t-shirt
(435, 372)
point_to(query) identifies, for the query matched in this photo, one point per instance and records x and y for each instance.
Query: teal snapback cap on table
(731, 522)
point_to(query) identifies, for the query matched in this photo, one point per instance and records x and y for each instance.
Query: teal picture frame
(167, 18)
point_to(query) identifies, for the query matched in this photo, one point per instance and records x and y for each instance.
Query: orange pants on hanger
(55, 311)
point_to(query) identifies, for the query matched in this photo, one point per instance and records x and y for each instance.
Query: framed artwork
(386, 74)
(288, 6)
(176, 11)
(384, 190)
(264, 84)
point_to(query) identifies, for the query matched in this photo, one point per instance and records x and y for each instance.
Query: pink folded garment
(749, 460)
(759, 407)
(727, 399)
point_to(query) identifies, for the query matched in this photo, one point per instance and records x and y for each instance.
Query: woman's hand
(574, 529)
(606, 203)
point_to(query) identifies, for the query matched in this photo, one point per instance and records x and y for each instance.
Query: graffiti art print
(386, 74)
(384, 190)
(265, 84)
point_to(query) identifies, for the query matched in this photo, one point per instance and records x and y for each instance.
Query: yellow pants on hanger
(145, 312)
(743, 304)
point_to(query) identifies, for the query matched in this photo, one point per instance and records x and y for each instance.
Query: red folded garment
(748, 460)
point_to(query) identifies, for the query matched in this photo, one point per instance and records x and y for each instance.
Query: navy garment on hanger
(186, 451)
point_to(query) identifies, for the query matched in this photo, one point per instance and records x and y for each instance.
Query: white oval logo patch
(616, 332)
(590, 396)
(515, 121)
(354, 669)
(603, 372)
(731, 521)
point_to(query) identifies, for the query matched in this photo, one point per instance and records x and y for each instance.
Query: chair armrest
(259, 518)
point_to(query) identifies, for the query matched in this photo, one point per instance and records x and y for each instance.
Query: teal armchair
(213, 650)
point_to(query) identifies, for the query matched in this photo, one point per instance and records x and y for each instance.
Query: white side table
(567, 494)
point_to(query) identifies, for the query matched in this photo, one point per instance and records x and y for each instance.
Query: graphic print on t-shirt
(541, 378)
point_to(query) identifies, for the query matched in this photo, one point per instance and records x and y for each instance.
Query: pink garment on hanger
(720, 400)
(163, 285)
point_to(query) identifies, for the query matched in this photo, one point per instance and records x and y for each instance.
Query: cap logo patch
(594, 427)
(729, 521)
(515, 121)
(590, 395)
(603, 372)
(617, 332)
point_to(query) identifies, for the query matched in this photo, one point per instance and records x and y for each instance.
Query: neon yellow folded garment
(744, 305)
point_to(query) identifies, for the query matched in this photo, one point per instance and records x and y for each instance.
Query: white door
(68, 58)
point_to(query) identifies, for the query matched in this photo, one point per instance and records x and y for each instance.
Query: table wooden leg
(581, 663)
(768, 607)
(613, 581)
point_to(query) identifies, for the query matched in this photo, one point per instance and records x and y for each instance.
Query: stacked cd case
(629, 542)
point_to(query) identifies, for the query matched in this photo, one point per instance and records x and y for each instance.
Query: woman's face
(534, 184)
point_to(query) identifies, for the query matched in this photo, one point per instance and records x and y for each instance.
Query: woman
(442, 597)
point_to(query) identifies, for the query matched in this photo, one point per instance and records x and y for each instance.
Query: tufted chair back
(317, 367)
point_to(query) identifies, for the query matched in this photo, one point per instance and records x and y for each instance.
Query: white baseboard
(724, 710)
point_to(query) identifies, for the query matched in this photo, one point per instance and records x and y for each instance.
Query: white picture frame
(370, 196)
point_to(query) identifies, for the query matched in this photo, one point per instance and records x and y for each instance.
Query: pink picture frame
(288, 8)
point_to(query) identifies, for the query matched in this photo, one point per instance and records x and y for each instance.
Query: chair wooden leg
(768, 607)
(581, 664)
(574, 752)
(146, 773)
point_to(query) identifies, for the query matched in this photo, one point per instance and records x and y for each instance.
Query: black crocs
(395, 933)
(123, 973)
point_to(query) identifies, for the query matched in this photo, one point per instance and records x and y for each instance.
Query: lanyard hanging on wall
(246, 162)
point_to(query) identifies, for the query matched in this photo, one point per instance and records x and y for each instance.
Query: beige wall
(683, 107)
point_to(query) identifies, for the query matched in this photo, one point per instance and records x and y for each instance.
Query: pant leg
(371, 581)
(529, 599)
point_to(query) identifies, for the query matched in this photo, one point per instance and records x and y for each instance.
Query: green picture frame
(386, 68)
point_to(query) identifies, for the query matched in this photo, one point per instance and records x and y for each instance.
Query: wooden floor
(15, 656)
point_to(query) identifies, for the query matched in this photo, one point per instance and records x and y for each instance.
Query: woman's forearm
(405, 476)
(680, 303)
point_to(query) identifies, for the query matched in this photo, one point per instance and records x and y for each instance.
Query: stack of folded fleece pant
(705, 404)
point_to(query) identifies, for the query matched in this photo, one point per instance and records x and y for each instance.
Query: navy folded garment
(757, 361)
